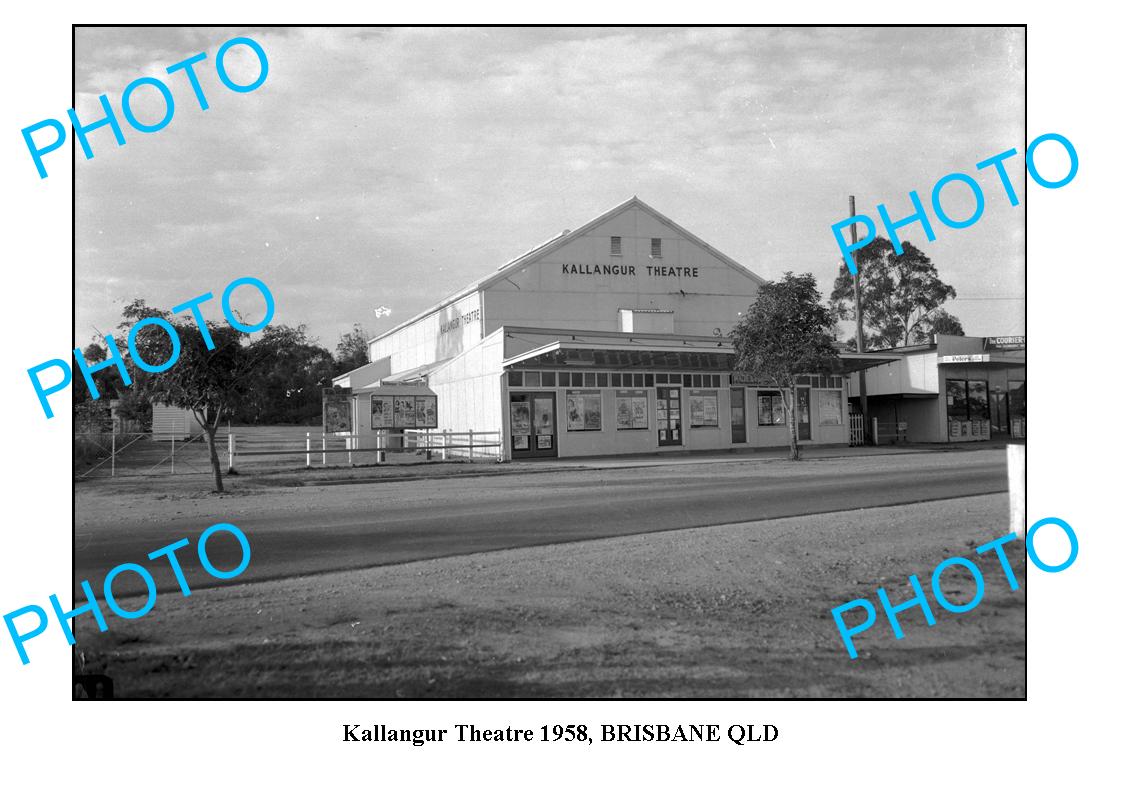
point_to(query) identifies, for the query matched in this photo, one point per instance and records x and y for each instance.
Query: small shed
(172, 422)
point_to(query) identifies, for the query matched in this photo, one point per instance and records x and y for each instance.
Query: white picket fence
(857, 433)
(318, 448)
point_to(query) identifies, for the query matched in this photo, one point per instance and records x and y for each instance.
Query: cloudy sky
(390, 167)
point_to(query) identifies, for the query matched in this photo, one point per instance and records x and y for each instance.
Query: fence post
(874, 431)
(471, 446)
(428, 445)
(230, 447)
(444, 450)
(1016, 477)
(308, 449)
(173, 448)
(349, 441)
(324, 449)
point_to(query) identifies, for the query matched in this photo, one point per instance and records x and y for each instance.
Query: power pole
(859, 336)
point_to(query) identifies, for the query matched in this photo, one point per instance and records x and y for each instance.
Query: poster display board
(403, 411)
(336, 410)
(583, 410)
(631, 409)
(703, 408)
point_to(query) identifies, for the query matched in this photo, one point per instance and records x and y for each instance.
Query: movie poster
(405, 415)
(426, 406)
(697, 410)
(624, 412)
(381, 412)
(336, 412)
(520, 417)
(543, 416)
(639, 412)
(574, 412)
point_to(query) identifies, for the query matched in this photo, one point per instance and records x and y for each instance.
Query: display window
(583, 410)
(703, 408)
(631, 410)
(830, 408)
(770, 408)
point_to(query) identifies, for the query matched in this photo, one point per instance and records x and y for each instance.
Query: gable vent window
(656, 247)
(616, 247)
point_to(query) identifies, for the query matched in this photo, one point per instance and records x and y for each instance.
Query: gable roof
(560, 240)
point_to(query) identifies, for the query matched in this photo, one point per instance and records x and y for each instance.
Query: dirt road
(735, 611)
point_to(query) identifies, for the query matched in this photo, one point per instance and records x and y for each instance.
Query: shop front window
(978, 405)
(1017, 399)
(769, 409)
(957, 399)
(830, 408)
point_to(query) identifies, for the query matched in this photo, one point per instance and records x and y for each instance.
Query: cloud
(391, 166)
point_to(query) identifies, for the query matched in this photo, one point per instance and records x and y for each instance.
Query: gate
(857, 431)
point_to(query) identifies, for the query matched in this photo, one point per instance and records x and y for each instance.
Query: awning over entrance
(852, 362)
(654, 352)
(413, 379)
(395, 389)
(562, 355)
(413, 374)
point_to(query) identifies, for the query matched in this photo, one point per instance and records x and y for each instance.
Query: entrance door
(533, 425)
(803, 408)
(668, 415)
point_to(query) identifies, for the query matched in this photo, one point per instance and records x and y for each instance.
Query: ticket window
(668, 415)
(533, 418)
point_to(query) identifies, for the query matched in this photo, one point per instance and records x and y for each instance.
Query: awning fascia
(559, 344)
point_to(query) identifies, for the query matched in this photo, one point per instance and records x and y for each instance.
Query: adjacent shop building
(956, 389)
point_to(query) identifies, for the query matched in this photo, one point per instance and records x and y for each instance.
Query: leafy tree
(786, 333)
(941, 322)
(210, 381)
(291, 372)
(352, 349)
(107, 381)
(901, 295)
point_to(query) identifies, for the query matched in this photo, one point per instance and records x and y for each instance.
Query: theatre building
(608, 339)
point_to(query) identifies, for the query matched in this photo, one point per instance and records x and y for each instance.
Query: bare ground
(731, 611)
